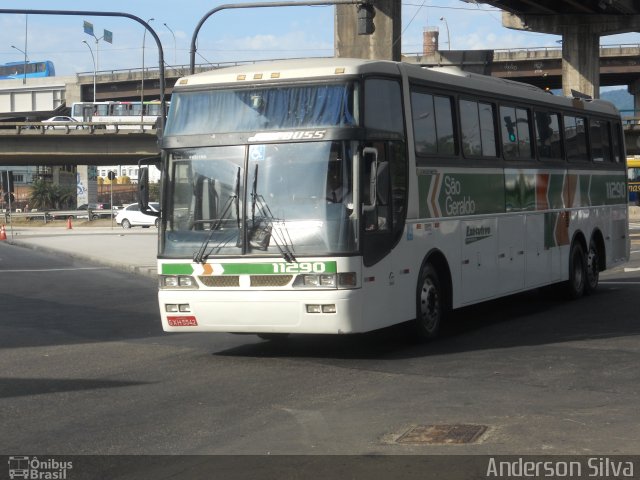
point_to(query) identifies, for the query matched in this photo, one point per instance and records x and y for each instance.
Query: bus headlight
(326, 280)
(347, 280)
(315, 280)
(177, 281)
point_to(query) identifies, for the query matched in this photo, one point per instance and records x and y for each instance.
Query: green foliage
(154, 192)
(45, 195)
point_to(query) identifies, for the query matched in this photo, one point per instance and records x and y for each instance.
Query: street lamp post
(26, 60)
(144, 36)
(94, 69)
(442, 19)
(174, 44)
(107, 36)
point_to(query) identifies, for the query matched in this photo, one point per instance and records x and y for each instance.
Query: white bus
(339, 195)
(126, 114)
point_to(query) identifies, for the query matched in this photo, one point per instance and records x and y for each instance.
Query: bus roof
(309, 68)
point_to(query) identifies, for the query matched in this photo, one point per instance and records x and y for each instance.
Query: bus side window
(575, 138)
(516, 139)
(432, 124)
(548, 138)
(617, 143)
(478, 133)
(600, 140)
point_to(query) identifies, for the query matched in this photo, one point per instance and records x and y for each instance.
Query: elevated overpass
(618, 64)
(31, 143)
(581, 23)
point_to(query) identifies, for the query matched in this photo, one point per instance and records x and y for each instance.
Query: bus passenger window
(516, 139)
(617, 143)
(600, 141)
(383, 105)
(432, 124)
(575, 138)
(478, 133)
(548, 139)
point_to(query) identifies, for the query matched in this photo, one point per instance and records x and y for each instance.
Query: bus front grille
(226, 281)
(220, 280)
(270, 280)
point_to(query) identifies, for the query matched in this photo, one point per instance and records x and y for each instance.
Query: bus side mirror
(370, 159)
(143, 191)
(382, 183)
(143, 188)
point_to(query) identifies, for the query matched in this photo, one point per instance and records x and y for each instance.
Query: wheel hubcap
(429, 304)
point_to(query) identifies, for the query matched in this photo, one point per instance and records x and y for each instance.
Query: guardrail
(46, 216)
(82, 128)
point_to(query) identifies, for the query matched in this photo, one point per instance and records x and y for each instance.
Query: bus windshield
(275, 199)
(262, 108)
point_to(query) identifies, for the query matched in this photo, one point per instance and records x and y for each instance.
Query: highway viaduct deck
(37, 146)
(27, 144)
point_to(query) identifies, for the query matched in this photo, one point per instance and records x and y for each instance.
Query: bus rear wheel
(576, 284)
(593, 268)
(431, 303)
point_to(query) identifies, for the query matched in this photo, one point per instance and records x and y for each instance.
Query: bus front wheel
(577, 271)
(431, 303)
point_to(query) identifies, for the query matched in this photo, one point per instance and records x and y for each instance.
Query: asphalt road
(86, 369)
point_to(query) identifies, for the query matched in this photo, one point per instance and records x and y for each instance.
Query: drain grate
(443, 434)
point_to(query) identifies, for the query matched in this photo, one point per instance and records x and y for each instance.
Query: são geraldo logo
(38, 469)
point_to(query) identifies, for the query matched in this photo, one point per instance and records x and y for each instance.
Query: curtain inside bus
(257, 109)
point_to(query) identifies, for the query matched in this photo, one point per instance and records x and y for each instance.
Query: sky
(235, 35)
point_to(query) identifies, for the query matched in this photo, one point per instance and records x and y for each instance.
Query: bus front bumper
(291, 311)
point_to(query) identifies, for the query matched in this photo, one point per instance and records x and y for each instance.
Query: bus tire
(576, 285)
(431, 303)
(592, 263)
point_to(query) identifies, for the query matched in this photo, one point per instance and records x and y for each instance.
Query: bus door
(87, 113)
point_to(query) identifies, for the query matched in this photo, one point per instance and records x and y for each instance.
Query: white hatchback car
(56, 120)
(131, 216)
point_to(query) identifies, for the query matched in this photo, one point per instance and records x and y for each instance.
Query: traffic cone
(69, 226)
(3, 233)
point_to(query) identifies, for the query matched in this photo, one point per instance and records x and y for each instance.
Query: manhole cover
(443, 434)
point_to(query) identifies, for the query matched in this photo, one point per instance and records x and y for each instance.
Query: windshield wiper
(201, 256)
(259, 237)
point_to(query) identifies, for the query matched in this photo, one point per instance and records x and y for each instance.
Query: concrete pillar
(383, 44)
(580, 42)
(634, 89)
(581, 61)
(87, 184)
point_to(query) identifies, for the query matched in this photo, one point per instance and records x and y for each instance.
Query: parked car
(131, 216)
(98, 210)
(58, 119)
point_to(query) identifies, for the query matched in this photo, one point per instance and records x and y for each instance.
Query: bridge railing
(47, 216)
(32, 128)
(174, 70)
(612, 48)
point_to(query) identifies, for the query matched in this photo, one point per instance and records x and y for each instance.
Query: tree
(41, 195)
(154, 192)
(45, 195)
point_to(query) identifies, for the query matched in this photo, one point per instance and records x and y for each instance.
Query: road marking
(54, 269)
(632, 269)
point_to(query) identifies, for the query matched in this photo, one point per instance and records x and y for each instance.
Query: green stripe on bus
(277, 268)
(177, 269)
(270, 268)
